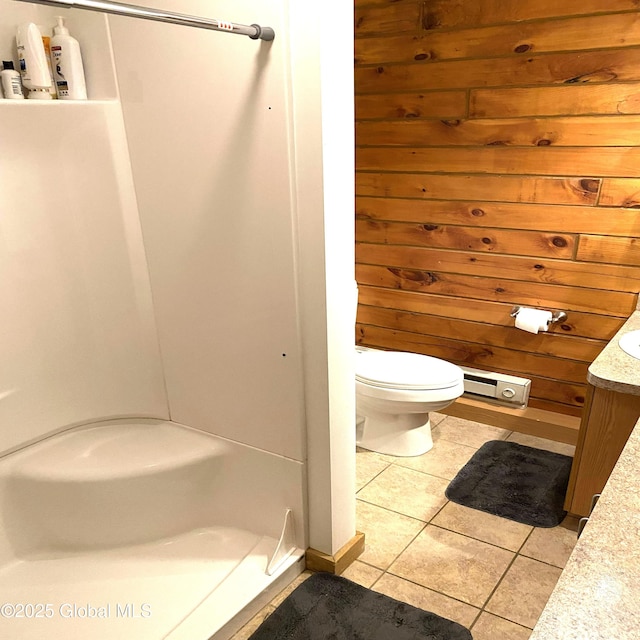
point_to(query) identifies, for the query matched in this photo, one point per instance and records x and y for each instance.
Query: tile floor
(490, 574)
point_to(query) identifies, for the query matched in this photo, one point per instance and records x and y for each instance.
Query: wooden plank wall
(498, 164)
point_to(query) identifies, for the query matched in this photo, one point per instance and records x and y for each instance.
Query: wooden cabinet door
(608, 421)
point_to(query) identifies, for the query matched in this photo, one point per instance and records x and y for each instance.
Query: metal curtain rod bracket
(254, 31)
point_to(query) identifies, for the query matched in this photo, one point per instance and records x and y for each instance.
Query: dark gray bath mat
(516, 482)
(327, 606)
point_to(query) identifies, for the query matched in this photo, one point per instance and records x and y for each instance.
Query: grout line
(442, 593)
(392, 511)
(492, 544)
(406, 547)
(501, 618)
(372, 479)
(495, 588)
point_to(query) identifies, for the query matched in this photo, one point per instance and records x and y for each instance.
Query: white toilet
(395, 391)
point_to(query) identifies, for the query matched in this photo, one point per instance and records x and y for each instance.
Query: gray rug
(327, 607)
(513, 481)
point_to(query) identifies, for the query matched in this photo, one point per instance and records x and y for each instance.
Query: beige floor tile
(458, 566)
(542, 443)
(524, 591)
(368, 465)
(482, 526)
(409, 492)
(254, 623)
(426, 599)
(386, 534)
(362, 573)
(489, 627)
(472, 434)
(553, 546)
(444, 460)
(436, 418)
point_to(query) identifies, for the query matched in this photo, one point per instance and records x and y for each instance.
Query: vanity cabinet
(607, 422)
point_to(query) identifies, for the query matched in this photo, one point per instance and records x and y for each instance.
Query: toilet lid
(400, 370)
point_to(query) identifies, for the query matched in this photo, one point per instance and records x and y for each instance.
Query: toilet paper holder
(556, 316)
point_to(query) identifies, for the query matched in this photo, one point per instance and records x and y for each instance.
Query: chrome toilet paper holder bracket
(556, 316)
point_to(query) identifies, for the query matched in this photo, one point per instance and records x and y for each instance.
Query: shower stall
(176, 386)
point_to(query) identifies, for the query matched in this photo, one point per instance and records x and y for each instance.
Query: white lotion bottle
(33, 62)
(66, 60)
(11, 83)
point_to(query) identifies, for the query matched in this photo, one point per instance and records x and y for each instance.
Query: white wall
(322, 95)
(77, 333)
(208, 128)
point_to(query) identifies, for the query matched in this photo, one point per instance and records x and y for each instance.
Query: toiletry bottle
(33, 62)
(11, 84)
(46, 41)
(68, 72)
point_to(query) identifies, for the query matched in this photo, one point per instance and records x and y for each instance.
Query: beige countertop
(616, 370)
(598, 594)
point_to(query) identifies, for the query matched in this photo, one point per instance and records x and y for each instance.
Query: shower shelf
(47, 104)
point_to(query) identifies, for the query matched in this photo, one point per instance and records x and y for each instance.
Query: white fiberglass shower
(172, 327)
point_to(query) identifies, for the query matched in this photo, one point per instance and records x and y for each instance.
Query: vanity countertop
(597, 595)
(614, 369)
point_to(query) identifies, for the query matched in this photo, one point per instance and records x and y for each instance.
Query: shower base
(143, 529)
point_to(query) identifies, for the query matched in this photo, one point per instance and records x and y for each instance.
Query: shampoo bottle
(33, 62)
(11, 84)
(68, 72)
(46, 42)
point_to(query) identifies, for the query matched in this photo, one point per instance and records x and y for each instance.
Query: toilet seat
(409, 371)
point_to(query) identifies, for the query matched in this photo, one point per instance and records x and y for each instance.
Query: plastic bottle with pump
(33, 62)
(66, 60)
(11, 84)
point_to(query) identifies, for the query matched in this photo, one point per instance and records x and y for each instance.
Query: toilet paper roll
(533, 320)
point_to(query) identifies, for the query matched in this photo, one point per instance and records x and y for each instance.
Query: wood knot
(566, 327)
(497, 143)
(487, 240)
(451, 123)
(522, 48)
(380, 70)
(558, 241)
(544, 142)
(430, 21)
(430, 227)
(601, 75)
(477, 212)
(423, 277)
(590, 185)
(422, 56)
(538, 266)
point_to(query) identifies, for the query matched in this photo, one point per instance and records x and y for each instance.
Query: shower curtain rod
(254, 31)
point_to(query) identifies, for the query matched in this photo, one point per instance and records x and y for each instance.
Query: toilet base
(403, 435)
